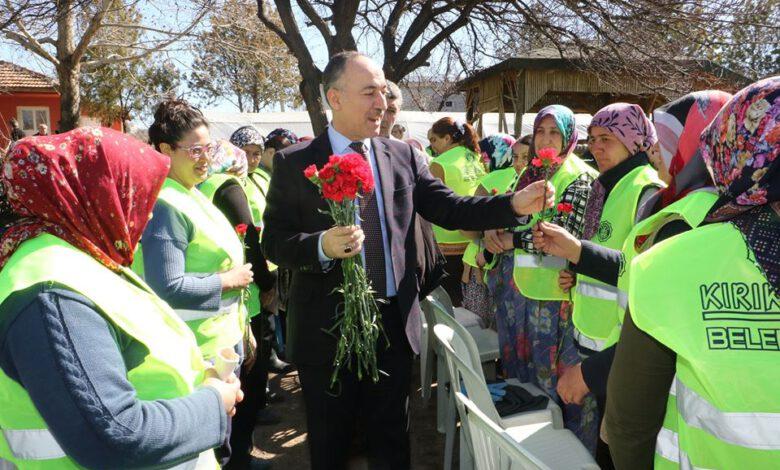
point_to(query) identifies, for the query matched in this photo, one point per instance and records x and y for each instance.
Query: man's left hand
(571, 386)
(533, 198)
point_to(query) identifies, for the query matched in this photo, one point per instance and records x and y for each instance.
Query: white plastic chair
(487, 346)
(465, 317)
(531, 446)
(464, 367)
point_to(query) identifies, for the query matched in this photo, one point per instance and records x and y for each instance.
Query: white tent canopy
(417, 123)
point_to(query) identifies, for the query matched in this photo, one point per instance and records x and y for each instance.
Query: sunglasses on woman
(198, 151)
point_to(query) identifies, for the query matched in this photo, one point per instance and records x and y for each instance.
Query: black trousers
(381, 408)
(452, 283)
(253, 384)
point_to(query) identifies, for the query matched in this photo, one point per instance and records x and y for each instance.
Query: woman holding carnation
(679, 166)
(536, 337)
(193, 257)
(458, 165)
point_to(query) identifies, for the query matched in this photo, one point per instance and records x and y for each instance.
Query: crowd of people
(148, 289)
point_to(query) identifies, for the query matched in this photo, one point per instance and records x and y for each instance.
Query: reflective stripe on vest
(534, 261)
(40, 444)
(752, 430)
(597, 291)
(588, 342)
(667, 446)
(226, 306)
(33, 444)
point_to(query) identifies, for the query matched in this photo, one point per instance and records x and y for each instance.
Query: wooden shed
(542, 77)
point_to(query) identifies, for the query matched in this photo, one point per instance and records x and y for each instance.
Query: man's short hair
(394, 93)
(335, 69)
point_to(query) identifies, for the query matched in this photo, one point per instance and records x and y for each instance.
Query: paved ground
(285, 443)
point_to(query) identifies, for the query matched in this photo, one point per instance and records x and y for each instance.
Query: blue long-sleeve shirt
(164, 244)
(73, 364)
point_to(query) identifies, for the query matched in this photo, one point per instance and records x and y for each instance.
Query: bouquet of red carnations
(342, 181)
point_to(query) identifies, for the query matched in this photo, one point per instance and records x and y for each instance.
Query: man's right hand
(237, 278)
(342, 242)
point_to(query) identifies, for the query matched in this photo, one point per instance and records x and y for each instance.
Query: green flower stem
(358, 326)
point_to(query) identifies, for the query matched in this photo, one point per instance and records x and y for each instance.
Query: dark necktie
(373, 248)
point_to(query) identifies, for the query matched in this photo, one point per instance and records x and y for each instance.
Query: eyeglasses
(196, 152)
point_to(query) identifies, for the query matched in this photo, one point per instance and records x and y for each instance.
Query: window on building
(448, 104)
(32, 116)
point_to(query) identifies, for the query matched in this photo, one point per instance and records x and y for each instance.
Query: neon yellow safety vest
(692, 209)
(214, 248)
(172, 368)
(497, 182)
(594, 301)
(462, 171)
(209, 189)
(537, 275)
(256, 186)
(703, 296)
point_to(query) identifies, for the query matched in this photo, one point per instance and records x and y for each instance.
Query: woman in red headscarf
(95, 369)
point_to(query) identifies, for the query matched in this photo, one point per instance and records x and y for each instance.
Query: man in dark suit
(298, 236)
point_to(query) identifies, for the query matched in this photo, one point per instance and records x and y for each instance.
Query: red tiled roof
(14, 77)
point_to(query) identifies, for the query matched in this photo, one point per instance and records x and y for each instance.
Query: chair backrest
(460, 371)
(463, 343)
(492, 447)
(444, 298)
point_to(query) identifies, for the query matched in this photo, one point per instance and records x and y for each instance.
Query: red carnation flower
(565, 207)
(494, 191)
(546, 157)
(310, 171)
(241, 229)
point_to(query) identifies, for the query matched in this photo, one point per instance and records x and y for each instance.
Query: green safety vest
(172, 368)
(256, 201)
(500, 181)
(692, 209)
(703, 295)
(214, 248)
(536, 276)
(594, 301)
(462, 172)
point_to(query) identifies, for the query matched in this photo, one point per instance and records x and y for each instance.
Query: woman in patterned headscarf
(667, 336)
(535, 335)
(95, 369)
(680, 166)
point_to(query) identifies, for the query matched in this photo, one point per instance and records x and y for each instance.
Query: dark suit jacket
(293, 224)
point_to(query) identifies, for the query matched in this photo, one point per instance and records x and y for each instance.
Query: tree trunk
(310, 91)
(70, 95)
(68, 70)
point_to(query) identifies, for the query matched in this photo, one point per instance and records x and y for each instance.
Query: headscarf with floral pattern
(95, 188)
(496, 151)
(741, 149)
